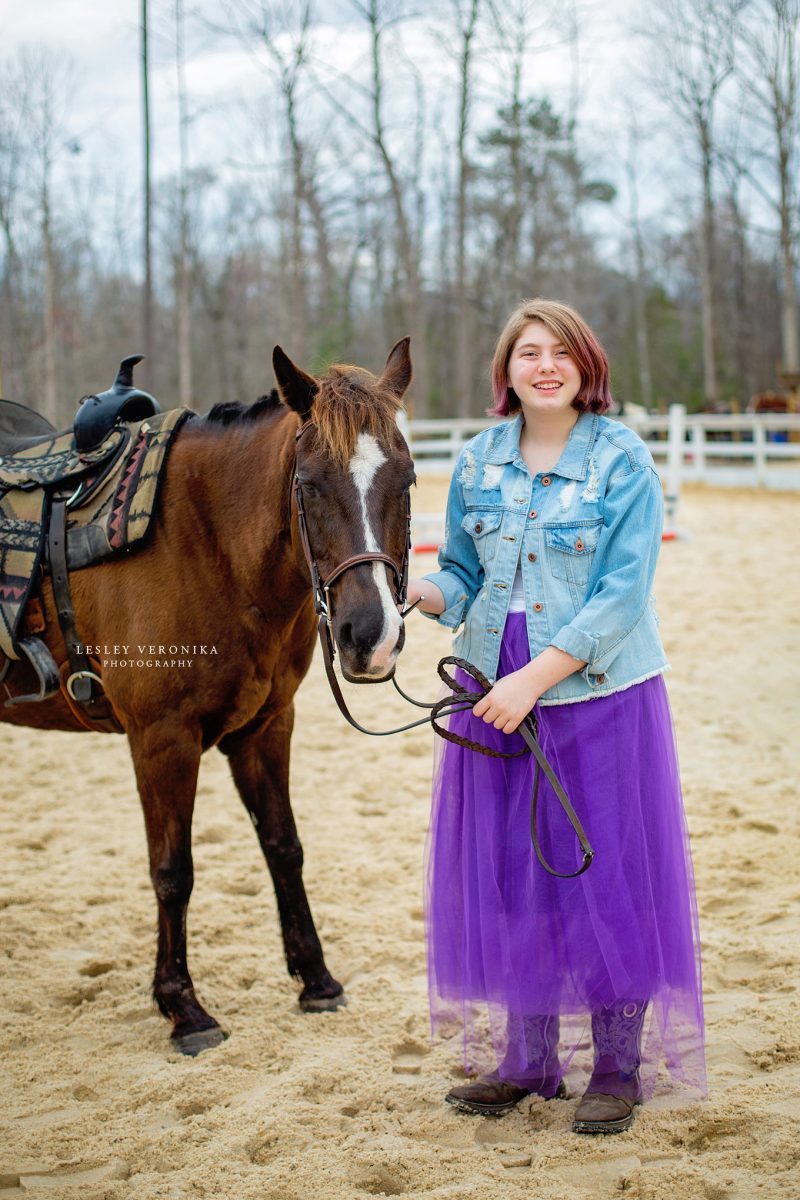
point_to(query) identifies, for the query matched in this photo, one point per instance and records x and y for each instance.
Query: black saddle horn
(125, 373)
(98, 414)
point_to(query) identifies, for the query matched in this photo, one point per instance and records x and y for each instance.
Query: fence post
(760, 452)
(697, 433)
(456, 442)
(675, 450)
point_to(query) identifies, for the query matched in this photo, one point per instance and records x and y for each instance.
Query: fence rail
(745, 450)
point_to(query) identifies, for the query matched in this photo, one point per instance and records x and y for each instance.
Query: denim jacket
(587, 535)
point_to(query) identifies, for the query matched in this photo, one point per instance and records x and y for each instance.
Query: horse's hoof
(196, 1042)
(322, 1003)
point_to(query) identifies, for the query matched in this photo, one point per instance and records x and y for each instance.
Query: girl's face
(541, 372)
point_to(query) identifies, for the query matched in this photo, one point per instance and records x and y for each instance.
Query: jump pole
(676, 437)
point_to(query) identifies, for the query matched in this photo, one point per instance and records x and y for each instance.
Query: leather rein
(460, 699)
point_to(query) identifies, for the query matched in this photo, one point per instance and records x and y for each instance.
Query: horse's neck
(243, 476)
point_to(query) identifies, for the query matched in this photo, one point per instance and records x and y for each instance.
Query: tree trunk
(788, 139)
(710, 386)
(183, 280)
(297, 267)
(742, 353)
(464, 331)
(639, 284)
(8, 361)
(791, 349)
(145, 376)
(50, 404)
(413, 305)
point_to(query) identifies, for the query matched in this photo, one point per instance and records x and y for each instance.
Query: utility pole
(184, 298)
(147, 293)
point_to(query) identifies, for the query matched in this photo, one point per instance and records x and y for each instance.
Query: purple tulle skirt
(530, 969)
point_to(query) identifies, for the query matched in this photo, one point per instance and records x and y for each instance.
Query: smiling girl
(553, 530)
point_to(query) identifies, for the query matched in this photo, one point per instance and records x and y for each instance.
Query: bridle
(460, 699)
(321, 588)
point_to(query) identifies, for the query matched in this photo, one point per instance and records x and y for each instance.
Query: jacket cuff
(577, 643)
(587, 648)
(455, 599)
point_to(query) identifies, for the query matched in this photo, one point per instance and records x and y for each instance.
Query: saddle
(68, 500)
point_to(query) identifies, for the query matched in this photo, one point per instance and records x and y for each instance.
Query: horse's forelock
(351, 401)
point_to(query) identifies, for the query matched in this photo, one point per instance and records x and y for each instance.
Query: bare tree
(378, 16)
(693, 51)
(147, 199)
(769, 50)
(48, 85)
(284, 31)
(183, 288)
(11, 161)
(405, 200)
(514, 32)
(465, 14)
(639, 266)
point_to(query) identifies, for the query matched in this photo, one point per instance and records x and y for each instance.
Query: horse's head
(354, 470)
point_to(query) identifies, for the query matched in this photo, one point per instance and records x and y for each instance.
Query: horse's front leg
(166, 762)
(259, 761)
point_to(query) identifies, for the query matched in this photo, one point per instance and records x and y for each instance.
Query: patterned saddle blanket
(112, 494)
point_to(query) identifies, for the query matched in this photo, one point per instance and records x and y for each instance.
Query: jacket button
(538, 607)
(532, 513)
(579, 544)
(600, 678)
(531, 558)
(546, 481)
(478, 527)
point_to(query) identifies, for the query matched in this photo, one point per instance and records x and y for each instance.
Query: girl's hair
(575, 335)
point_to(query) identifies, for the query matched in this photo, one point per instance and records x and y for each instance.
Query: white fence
(750, 450)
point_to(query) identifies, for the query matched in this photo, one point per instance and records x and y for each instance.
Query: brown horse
(225, 571)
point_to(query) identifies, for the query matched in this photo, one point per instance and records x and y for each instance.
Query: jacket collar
(574, 460)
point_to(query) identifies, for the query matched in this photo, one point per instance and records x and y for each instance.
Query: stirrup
(46, 670)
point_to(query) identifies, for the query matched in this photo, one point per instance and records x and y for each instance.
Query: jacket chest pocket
(570, 552)
(484, 529)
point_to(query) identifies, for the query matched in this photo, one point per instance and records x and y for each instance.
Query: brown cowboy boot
(614, 1090)
(537, 1042)
(487, 1097)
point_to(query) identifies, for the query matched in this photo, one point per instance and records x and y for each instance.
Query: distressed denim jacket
(587, 535)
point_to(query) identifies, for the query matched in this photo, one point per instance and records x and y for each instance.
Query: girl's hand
(432, 600)
(509, 701)
(415, 590)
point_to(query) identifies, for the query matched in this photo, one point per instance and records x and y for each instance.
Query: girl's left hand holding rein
(509, 701)
(513, 696)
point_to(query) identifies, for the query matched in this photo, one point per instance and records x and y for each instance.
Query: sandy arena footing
(349, 1105)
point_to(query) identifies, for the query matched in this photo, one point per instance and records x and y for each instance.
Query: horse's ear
(397, 372)
(296, 388)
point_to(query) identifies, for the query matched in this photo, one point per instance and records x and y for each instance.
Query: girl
(552, 535)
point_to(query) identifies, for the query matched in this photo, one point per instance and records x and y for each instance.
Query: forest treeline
(422, 187)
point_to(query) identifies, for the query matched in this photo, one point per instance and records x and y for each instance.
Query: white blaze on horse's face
(364, 464)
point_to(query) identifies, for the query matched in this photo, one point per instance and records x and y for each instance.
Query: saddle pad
(54, 460)
(111, 511)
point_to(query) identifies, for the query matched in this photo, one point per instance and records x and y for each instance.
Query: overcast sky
(101, 38)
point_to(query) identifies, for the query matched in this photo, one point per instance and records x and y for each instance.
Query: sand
(349, 1105)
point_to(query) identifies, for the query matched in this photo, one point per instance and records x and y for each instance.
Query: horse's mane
(233, 413)
(350, 401)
